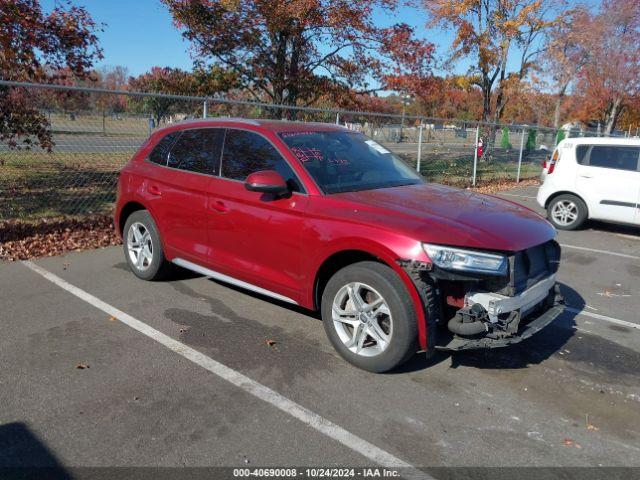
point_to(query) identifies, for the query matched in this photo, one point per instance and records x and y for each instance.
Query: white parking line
(617, 321)
(315, 421)
(606, 252)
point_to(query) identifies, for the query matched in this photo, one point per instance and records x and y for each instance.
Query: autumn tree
(111, 78)
(39, 47)
(487, 31)
(610, 78)
(173, 81)
(292, 52)
(565, 53)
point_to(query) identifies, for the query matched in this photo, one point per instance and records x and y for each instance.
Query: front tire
(143, 247)
(567, 212)
(369, 317)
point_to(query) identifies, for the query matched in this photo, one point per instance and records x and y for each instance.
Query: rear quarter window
(160, 152)
(198, 150)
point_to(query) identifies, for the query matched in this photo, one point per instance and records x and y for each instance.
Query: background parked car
(592, 178)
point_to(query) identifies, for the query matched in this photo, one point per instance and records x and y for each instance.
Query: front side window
(161, 151)
(617, 157)
(247, 152)
(197, 150)
(348, 161)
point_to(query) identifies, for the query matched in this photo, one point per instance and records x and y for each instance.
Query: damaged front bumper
(528, 314)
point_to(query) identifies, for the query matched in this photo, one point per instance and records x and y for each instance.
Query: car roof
(600, 141)
(272, 125)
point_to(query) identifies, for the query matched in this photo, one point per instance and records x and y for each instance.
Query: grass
(93, 124)
(35, 185)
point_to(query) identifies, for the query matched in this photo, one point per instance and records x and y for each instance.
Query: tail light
(550, 165)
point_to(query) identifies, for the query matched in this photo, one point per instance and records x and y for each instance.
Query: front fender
(404, 249)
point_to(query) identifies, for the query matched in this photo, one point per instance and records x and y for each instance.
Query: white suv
(592, 178)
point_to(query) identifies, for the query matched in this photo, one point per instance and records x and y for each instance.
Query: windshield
(348, 161)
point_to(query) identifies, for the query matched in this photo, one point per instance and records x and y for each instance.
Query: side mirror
(266, 181)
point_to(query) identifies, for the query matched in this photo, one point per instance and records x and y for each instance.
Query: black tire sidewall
(404, 337)
(158, 262)
(582, 212)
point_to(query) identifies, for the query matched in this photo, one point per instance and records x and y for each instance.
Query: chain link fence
(95, 132)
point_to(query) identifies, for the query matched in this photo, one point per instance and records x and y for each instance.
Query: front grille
(526, 268)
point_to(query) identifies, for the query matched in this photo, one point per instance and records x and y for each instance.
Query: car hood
(450, 216)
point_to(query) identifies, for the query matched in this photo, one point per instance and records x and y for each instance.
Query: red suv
(323, 217)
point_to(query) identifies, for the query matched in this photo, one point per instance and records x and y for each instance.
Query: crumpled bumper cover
(525, 331)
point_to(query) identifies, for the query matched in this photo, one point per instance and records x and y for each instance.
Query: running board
(233, 281)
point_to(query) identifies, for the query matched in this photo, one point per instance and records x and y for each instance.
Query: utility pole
(406, 100)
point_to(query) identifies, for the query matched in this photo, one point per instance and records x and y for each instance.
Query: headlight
(466, 260)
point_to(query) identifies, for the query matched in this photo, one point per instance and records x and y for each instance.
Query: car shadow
(531, 351)
(23, 455)
(612, 228)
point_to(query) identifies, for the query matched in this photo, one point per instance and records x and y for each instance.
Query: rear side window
(161, 151)
(198, 150)
(247, 152)
(609, 156)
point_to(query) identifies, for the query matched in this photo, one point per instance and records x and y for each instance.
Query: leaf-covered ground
(21, 240)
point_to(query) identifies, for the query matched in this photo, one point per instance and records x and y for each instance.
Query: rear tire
(369, 317)
(567, 212)
(143, 247)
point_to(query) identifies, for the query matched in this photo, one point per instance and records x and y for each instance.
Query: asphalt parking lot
(192, 372)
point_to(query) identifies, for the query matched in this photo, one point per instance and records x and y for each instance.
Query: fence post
(475, 155)
(204, 109)
(520, 156)
(420, 127)
(338, 118)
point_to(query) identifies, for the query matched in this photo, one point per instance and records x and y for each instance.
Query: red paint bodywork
(279, 244)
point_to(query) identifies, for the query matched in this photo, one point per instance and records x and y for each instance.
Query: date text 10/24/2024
(316, 472)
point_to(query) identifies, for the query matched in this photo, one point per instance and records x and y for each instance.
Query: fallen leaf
(112, 318)
(82, 366)
(571, 443)
(270, 342)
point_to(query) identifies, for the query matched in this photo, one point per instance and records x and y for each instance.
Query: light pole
(406, 100)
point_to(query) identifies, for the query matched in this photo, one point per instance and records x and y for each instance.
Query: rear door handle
(155, 190)
(586, 176)
(219, 206)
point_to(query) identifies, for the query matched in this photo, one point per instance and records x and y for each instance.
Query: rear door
(609, 180)
(256, 236)
(181, 190)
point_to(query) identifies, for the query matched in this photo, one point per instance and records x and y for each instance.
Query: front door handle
(583, 175)
(219, 206)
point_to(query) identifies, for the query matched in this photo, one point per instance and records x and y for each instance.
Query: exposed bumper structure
(525, 323)
(496, 304)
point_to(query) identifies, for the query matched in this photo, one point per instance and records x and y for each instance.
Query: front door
(256, 237)
(609, 179)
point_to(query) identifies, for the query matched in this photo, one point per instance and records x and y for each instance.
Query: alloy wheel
(362, 319)
(139, 246)
(564, 212)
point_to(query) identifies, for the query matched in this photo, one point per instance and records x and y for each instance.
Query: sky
(139, 34)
